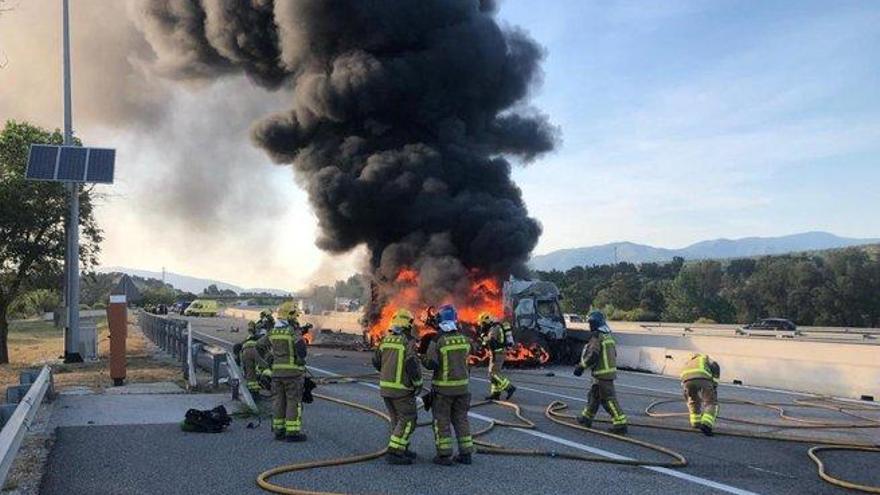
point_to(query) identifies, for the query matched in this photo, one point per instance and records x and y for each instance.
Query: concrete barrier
(838, 369)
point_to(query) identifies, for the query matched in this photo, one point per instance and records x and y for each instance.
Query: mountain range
(715, 249)
(185, 282)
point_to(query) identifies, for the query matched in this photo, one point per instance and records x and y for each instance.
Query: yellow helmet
(402, 318)
(293, 314)
(486, 318)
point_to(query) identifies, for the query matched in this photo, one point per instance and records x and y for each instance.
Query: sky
(680, 121)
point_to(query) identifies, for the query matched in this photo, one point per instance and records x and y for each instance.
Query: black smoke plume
(402, 118)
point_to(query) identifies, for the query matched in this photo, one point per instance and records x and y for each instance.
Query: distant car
(202, 307)
(770, 326)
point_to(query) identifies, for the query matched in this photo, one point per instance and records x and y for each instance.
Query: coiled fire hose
(554, 413)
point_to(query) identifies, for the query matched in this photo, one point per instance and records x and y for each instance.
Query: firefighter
(600, 356)
(400, 381)
(252, 360)
(266, 321)
(699, 381)
(447, 357)
(494, 335)
(288, 377)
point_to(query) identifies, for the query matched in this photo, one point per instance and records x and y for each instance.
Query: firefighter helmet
(402, 319)
(448, 317)
(596, 319)
(486, 318)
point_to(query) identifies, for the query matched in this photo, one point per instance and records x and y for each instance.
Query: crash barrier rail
(212, 354)
(839, 369)
(19, 421)
(833, 334)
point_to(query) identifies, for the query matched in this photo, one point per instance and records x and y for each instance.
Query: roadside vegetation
(831, 288)
(34, 343)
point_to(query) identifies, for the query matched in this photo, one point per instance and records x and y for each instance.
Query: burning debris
(402, 118)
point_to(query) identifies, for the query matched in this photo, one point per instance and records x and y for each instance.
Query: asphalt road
(150, 459)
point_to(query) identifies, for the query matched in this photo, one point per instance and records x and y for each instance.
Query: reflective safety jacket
(701, 366)
(255, 342)
(396, 361)
(600, 356)
(494, 338)
(289, 351)
(448, 357)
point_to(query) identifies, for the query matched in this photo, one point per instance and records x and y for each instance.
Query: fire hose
(553, 412)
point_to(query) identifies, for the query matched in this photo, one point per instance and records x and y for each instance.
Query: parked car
(771, 326)
(202, 307)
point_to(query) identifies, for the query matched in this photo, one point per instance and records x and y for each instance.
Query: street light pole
(71, 259)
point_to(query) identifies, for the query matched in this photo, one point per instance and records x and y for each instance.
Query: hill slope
(713, 249)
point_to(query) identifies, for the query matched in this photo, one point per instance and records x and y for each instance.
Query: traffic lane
(518, 474)
(638, 391)
(755, 464)
(151, 459)
(608, 446)
(758, 464)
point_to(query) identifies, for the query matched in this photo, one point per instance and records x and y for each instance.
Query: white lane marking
(593, 450)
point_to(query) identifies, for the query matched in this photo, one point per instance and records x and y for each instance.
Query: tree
(32, 217)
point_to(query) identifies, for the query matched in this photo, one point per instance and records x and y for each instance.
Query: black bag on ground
(206, 421)
(308, 386)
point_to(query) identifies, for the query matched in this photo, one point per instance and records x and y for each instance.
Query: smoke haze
(400, 120)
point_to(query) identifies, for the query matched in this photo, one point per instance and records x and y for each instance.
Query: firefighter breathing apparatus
(653, 419)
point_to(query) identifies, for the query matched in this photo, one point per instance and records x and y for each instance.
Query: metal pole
(71, 340)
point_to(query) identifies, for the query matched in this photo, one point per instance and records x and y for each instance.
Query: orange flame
(484, 296)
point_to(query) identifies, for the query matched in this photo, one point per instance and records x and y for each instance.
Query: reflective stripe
(395, 344)
(701, 369)
(605, 367)
(452, 345)
(289, 339)
(248, 344)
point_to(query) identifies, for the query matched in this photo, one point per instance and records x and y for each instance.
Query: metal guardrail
(20, 421)
(176, 336)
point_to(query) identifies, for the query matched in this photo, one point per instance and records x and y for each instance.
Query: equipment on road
(206, 421)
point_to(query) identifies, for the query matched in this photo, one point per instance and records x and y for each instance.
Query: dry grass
(34, 343)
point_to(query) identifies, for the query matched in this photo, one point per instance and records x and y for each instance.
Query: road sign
(49, 162)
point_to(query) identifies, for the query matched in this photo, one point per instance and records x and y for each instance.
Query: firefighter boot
(279, 434)
(706, 429)
(585, 421)
(618, 429)
(296, 437)
(510, 390)
(494, 396)
(443, 460)
(463, 459)
(396, 459)
(410, 454)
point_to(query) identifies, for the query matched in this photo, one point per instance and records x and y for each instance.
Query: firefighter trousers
(288, 403)
(497, 382)
(249, 367)
(702, 401)
(602, 393)
(402, 411)
(451, 412)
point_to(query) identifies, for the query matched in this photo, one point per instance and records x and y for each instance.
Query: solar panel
(101, 165)
(71, 164)
(41, 162)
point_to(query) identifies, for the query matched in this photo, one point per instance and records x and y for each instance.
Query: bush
(84, 307)
(705, 321)
(99, 305)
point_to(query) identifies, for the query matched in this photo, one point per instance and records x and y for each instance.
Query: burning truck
(531, 307)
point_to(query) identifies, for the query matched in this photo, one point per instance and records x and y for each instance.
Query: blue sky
(684, 121)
